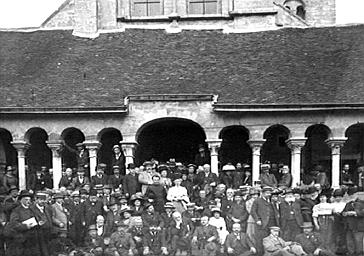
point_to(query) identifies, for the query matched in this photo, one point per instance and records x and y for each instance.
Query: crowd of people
(176, 209)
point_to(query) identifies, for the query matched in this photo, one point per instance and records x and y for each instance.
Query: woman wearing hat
(118, 159)
(10, 179)
(178, 195)
(219, 223)
(136, 202)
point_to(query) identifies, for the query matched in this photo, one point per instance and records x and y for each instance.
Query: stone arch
(169, 137)
(7, 151)
(234, 147)
(38, 154)
(71, 137)
(353, 151)
(108, 137)
(316, 151)
(275, 149)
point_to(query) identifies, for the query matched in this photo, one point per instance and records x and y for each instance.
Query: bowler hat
(41, 195)
(24, 193)
(13, 187)
(116, 167)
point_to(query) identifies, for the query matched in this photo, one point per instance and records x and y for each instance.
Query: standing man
(116, 179)
(202, 157)
(82, 154)
(23, 224)
(291, 216)
(100, 178)
(131, 184)
(118, 159)
(60, 216)
(264, 216)
(80, 180)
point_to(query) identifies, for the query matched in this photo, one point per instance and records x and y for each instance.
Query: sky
(32, 13)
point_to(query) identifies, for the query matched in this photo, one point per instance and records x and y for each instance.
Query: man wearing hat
(156, 192)
(237, 212)
(191, 217)
(77, 229)
(311, 241)
(264, 215)
(167, 214)
(82, 154)
(11, 201)
(93, 207)
(118, 159)
(100, 177)
(116, 179)
(113, 216)
(145, 177)
(66, 180)
(290, 215)
(227, 175)
(60, 215)
(37, 181)
(43, 215)
(266, 178)
(276, 246)
(22, 225)
(131, 184)
(202, 157)
(80, 180)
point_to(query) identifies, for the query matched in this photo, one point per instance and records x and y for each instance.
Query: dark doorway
(316, 151)
(71, 136)
(353, 151)
(163, 139)
(275, 149)
(234, 147)
(7, 151)
(38, 154)
(108, 137)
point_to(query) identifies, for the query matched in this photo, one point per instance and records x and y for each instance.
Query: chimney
(86, 19)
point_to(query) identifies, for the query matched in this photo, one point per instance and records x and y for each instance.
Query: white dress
(220, 225)
(179, 197)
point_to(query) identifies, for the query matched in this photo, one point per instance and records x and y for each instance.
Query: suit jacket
(239, 246)
(59, 215)
(66, 181)
(95, 180)
(119, 162)
(272, 244)
(240, 212)
(268, 180)
(310, 243)
(77, 184)
(260, 212)
(285, 212)
(131, 184)
(285, 180)
(115, 181)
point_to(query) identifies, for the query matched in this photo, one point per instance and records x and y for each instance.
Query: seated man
(276, 246)
(311, 241)
(238, 243)
(205, 238)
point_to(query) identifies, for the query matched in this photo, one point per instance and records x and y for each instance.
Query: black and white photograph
(181, 127)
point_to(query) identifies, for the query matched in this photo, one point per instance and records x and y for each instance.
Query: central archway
(167, 138)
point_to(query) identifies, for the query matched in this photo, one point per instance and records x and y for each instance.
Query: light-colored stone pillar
(55, 146)
(21, 147)
(335, 144)
(256, 146)
(92, 147)
(296, 144)
(129, 152)
(214, 146)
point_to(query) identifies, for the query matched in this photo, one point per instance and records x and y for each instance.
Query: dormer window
(297, 7)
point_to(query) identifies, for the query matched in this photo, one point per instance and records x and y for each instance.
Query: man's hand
(164, 251)
(230, 250)
(317, 251)
(137, 239)
(194, 239)
(61, 225)
(146, 251)
(259, 222)
(253, 250)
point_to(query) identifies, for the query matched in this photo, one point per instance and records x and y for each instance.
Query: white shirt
(178, 193)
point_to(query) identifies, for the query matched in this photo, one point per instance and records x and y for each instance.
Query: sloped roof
(56, 69)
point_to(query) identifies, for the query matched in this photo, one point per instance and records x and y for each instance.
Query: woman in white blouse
(219, 222)
(178, 196)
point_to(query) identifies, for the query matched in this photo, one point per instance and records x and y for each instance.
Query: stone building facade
(161, 85)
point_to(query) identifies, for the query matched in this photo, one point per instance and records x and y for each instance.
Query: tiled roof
(56, 69)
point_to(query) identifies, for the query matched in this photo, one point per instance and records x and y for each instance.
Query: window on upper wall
(203, 7)
(147, 8)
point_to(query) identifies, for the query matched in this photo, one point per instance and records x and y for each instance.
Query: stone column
(21, 147)
(92, 147)
(296, 144)
(335, 144)
(129, 152)
(256, 146)
(55, 146)
(214, 146)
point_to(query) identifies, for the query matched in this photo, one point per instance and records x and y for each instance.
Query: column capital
(214, 146)
(55, 146)
(296, 144)
(128, 144)
(21, 147)
(336, 144)
(255, 144)
(92, 144)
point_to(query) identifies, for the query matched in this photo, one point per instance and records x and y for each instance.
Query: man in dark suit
(290, 216)
(116, 179)
(264, 216)
(80, 180)
(311, 241)
(100, 178)
(131, 184)
(118, 159)
(238, 243)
